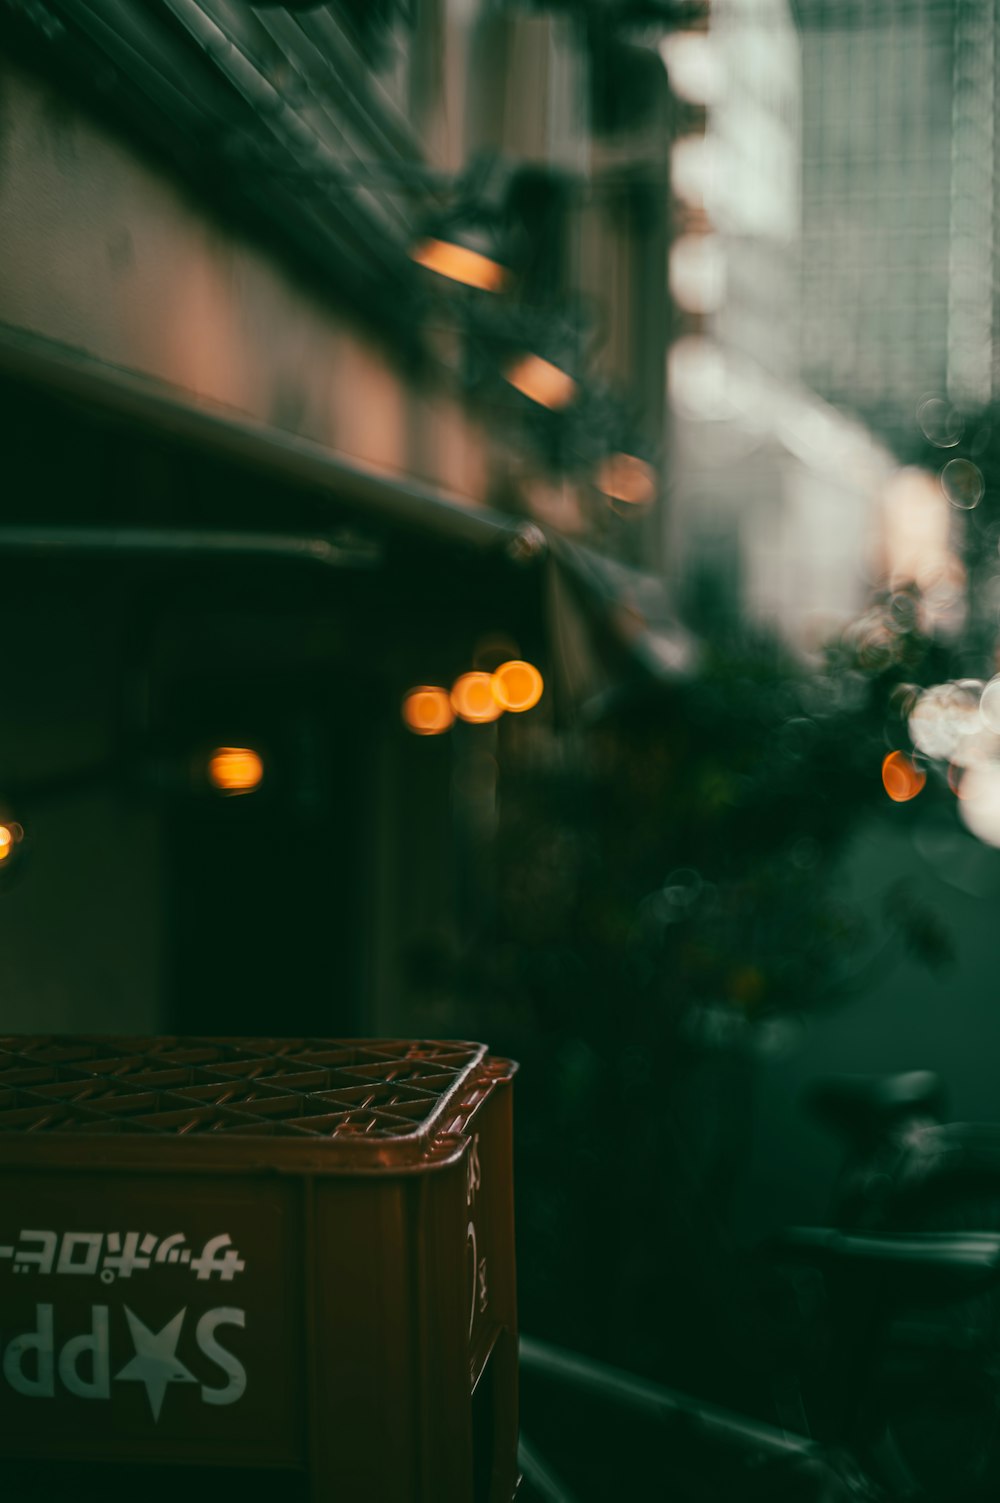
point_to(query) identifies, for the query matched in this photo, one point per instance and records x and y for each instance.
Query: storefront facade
(251, 503)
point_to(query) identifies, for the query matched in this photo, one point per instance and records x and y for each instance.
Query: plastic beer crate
(289, 1257)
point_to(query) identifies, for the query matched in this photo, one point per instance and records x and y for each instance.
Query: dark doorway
(266, 888)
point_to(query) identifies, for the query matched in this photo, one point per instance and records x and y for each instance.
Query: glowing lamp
(473, 240)
(517, 686)
(626, 478)
(427, 710)
(542, 382)
(235, 769)
(460, 263)
(900, 779)
(472, 698)
(11, 835)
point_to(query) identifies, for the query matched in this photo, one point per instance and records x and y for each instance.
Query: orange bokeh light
(460, 264)
(10, 834)
(542, 382)
(427, 710)
(626, 478)
(517, 686)
(235, 769)
(473, 699)
(901, 780)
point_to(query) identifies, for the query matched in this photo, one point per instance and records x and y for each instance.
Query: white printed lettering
(98, 1385)
(470, 1238)
(84, 1363)
(38, 1257)
(218, 1256)
(225, 1315)
(39, 1342)
(70, 1263)
(119, 1255)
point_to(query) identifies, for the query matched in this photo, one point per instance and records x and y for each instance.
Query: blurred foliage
(972, 436)
(669, 893)
(689, 853)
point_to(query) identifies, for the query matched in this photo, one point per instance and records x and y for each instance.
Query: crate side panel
(493, 1295)
(146, 1319)
(363, 1415)
(470, 1307)
(443, 1299)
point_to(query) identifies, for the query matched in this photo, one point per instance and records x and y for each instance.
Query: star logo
(155, 1362)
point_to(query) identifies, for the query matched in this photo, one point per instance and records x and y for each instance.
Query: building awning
(609, 628)
(613, 631)
(271, 452)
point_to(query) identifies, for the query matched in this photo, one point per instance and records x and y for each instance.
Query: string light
(517, 686)
(427, 710)
(235, 769)
(473, 699)
(11, 835)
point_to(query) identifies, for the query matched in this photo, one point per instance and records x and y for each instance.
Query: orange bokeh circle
(517, 686)
(235, 769)
(900, 779)
(427, 710)
(472, 698)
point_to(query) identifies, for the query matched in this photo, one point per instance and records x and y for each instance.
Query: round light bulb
(427, 710)
(517, 686)
(235, 769)
(472, 698)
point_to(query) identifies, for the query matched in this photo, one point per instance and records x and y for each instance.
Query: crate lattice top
(309, 1088)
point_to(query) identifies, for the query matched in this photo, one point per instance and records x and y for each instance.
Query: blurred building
(898, 210)
(737, 179)
(774, 492)
(266, 474)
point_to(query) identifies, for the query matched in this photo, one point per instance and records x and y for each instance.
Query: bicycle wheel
(934, 1423)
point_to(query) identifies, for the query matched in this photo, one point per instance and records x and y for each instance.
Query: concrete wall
(103, 253)
(100, 252)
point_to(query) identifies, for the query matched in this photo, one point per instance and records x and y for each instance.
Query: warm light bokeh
(901, 780)
(460, 264)
(517, 686)
(979, 802)
(626, 478)
(542, 382)
(946, 718)
(472, 698)
(917, 529)
(235, 769)
(427, 710)
(10, 834)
